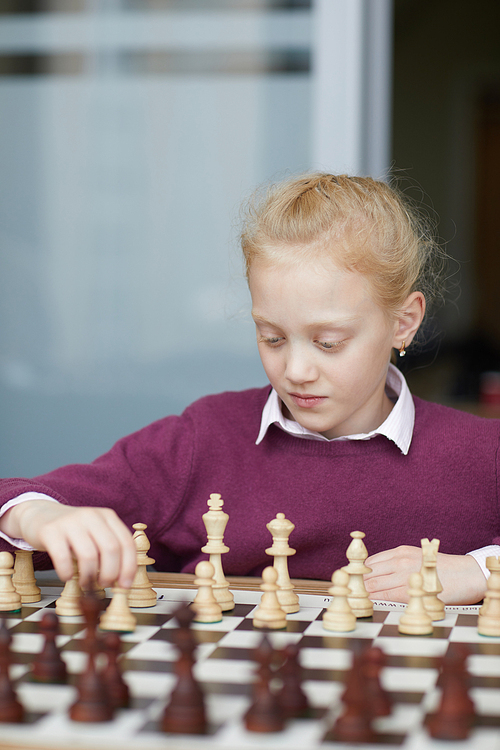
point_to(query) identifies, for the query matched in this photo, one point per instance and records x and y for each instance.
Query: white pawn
(141, 593)
(356, 554)
(205, 605)
(24, 577)
(493, 582)
(281, 528)
(269, 613)
(215, 521)
(68, 604)
(431, 583)
(10, 600)
(118, 616)
(415, 620)
(339, 616)
(488, 622)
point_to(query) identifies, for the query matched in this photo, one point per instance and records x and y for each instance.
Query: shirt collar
(398, 426)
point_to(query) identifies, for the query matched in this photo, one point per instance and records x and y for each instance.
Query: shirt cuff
(25, 497)
(480, 556)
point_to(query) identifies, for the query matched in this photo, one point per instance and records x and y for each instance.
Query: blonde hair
(361, 223)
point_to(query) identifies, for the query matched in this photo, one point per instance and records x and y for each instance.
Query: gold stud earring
(402, 349)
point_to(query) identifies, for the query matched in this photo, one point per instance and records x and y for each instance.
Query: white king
(215, 521)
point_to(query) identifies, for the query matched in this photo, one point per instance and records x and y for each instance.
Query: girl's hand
(461, 577)
(96, 538)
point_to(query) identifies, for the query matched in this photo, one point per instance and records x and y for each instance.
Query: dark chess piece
(292, 698)
(116, 687)
(93, 703)
(48, 665)
(454, 662)
(379, 702)
(91, 607)
(265, 713)
(184, 616)
(354, 723)
(11, 709)
(456, 714)
(185, 711)
(183, 636)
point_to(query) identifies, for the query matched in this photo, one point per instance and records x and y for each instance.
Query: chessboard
(225, 669)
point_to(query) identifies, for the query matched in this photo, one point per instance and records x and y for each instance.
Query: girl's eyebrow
(258, 319)
(341, 323)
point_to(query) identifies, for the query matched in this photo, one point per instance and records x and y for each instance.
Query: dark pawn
(265, 713)
(93, 703)
(183, 635)
(48, 665)
(378, 701)
(91, 608)
(184, 616)
(264, 655)
(455, 716)
(454, 662)
(292, 698)
(185, 712)
(10, 708)
(117, 688)
(354, 723)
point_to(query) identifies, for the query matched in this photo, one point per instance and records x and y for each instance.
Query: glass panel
(131, 132)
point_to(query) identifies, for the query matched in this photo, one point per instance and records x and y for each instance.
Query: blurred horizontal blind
(131, 131)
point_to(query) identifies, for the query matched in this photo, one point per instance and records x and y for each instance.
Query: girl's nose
(300, 368)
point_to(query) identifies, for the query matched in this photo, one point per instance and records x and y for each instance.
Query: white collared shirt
(398, 426)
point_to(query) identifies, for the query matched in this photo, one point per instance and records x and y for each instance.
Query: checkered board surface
(225, 669)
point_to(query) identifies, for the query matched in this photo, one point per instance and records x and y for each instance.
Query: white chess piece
(431, 583)
(269, 613)
(281, 528)
(357, 553)
(339, 616)
(415, 620)
(205, 604)
(118, 617)
(493, 565)
(141, 593)
(488, 621)
(215, 521)
(10, 599)
(68, 604)
(24, 577)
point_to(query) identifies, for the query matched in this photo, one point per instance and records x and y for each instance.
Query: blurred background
(130, 133)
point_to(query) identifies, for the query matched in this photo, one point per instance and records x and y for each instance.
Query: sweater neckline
(293, 444)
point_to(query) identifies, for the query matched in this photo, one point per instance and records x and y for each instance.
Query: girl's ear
(409, 319)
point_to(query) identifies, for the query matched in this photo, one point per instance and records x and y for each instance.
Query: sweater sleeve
(143, 477)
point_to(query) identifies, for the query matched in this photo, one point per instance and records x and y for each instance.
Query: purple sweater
(446, 487)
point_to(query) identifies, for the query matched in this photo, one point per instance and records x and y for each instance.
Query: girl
(339, 270)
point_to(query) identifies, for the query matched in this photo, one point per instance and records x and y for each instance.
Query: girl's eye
(271, 340)
(330, 345)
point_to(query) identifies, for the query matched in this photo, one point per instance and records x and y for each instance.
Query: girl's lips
(305, 401)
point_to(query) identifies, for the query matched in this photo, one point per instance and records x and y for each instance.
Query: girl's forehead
(320, 272)
(309, 286)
